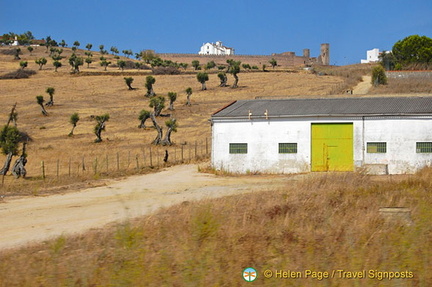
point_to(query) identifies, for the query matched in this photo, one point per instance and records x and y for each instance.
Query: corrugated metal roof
(325, 107)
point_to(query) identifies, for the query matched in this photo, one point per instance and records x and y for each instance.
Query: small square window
(377, 147)
(235, 148)
(424, 147)
(287, 147)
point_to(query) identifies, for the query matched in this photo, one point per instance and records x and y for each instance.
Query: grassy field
(321, 223)
(95, 92)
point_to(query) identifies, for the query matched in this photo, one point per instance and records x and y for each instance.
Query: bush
(378, 76)
(166, 71)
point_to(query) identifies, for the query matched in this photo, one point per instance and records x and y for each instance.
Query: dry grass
(324, 222)
(405, 86)
(98, 93)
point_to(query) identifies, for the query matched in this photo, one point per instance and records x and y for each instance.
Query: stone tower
(325, 54)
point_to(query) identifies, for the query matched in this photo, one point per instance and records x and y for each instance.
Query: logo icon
(249, 274)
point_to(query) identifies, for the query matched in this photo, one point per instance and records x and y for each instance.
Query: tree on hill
(104, 63)
(41, 62)
(114, 50)
(127, 53)
(50, 91)
(76, 44)
(57, 64)
(188, 94)
(147, 56)
(143, 116)
(172, 127)
(100, 126)
(129, 81)
(23, 64)
(273, 62)
(223, 79)
(172, 97)
(203, 78)
(150, 80)
(9, 141)
(158, 104)
(102, 50)
(158, 128)
(121, 64)
(17, 53)
(89, 46)
(30, 49)
(63, 43)
(210, 65)
(413, 52)
(88, 60)
(40, 100)
(75, 62)
(195, 64)
(74, 118)
(234, 69)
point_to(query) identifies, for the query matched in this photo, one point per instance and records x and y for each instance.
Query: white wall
(263, 137)
(371, 56)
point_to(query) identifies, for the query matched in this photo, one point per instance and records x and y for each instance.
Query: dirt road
(363, 87)
(33, 219)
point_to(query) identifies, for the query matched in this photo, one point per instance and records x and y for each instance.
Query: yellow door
(332, 147)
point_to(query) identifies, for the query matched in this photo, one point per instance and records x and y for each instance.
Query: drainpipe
(363, 140)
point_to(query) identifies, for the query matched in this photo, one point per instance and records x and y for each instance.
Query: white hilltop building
(372, 56)
(215, 49)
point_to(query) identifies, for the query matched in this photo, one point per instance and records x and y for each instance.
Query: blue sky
(250, 26)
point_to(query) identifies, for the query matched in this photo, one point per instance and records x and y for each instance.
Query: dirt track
(39, 218)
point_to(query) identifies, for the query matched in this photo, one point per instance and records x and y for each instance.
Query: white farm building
(384, 135)
(215, 49)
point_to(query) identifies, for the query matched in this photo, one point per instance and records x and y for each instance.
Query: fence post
(137, 163)
(151, 157)
(107, 166)
(195, 149)
(83, 163)
(95, 166)
(206, 147)
(182, 159)
(43, 169)
(70, 166)
(118, 162)
(58, 167)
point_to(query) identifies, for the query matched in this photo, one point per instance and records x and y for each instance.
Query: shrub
(378, 76)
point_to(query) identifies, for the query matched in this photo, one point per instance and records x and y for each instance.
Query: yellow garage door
(332, 147)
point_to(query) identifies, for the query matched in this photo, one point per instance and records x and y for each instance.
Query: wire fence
(149, 156)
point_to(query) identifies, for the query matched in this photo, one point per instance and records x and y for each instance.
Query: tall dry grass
(404, 86)
(323, 222)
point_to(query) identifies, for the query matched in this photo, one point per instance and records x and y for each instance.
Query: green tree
(195, 64)
(114, 50)
(41, 62)
(158, 104)
(273, 62)
(121, 64)
(171, 124)
(75, 62)
(88, 60)
(234, 69)
(223, 79)
(143, 116)
(413, 52)
(63, 43)
(100, 126)
(9, 141)
(17, 52)
(188, 94)
(57, 64)
(23, 64)
(203, 78)
(379, 76)
(104, 63)
(30, 49)
(76, 44)
(40, 100)
(150, 80)
(210, 65)
(74, 118)
(89, 46)
(50, 91)
(127, 53)
(129, 81)
(172, 98)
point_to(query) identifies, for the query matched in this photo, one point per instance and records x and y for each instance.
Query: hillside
(95, 92)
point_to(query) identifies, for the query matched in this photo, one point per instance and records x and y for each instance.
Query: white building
(215, 49)
(372, 56)
(384, 135)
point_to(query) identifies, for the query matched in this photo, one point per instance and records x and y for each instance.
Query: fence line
(148, 156)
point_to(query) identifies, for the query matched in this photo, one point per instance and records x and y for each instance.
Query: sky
(251, 27)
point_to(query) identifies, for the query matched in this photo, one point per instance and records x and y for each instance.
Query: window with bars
(287, 147)
(377, 147)
(236, 148)
(424, 147)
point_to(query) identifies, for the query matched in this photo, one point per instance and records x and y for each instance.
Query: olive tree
(234, 69)
(129, 81)
(150, 80)
(188, 94)
(158, 104)
(223, 79)
(41, 62)
(100, 126)
(74, 118)
(172, 97)
(203, 78)
(50, 91)
(143, 116)
(172, 127)
(40, 100)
